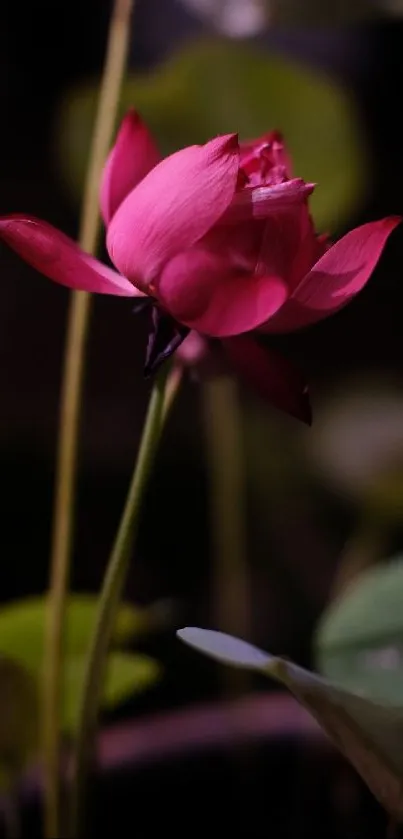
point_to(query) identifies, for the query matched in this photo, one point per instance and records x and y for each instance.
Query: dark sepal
(165, 336)
(142, 304)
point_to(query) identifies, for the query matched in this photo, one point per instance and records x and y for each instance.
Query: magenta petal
(270, 375)
(259, 202)
(200, 289)
(56, 256)
(129, 161)
(336, 278)
(174, 206)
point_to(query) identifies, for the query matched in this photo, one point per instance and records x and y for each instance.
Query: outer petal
(261, 201)
(173, 207)
(56, 256)
(336, 278)
(270, 375)
(289, 246)
(129, 161)
(201, 289)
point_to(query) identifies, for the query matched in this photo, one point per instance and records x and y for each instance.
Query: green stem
(224, 443)
(70, 412)
(110, 597)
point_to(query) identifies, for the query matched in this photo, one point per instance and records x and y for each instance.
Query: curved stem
(110, 597)
(77, 330)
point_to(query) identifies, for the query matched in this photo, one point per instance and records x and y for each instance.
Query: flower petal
(174, 206)
(266, 160)
(200, 289)
(129, 161)
(336, 278)
(56, 256)
(261, 201)
(270, 375)
(289, 246)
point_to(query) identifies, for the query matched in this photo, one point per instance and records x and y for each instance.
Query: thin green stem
(70, 412)
(110, 597)
(224, 444)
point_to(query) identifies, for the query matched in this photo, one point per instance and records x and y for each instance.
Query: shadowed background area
(321, 505)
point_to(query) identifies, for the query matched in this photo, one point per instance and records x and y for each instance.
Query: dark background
(290, 787)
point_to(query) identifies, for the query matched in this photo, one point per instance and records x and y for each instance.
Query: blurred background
(322, 504)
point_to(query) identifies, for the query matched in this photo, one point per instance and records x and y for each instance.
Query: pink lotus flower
(220, 239)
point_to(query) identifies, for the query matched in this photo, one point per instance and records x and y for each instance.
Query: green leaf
(215, 87)
(368, 733)
(126, 675)
(22, 625)
(18, 719)
(359, 639)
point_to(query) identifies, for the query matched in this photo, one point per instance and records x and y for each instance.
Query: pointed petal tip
(224, 144)
(59, 258)
(130, 159)
(337, 277)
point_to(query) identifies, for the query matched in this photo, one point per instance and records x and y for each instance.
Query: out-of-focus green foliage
(359, 640)
(18, 719)
(368, 733)
(126, 675)
(215, 87)
(22, 626)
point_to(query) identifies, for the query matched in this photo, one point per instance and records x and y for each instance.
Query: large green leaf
(126, 675)
(18, 719)
(359, 640)
(215, 87)
(21, 661)
(368, 733)
(22, 625)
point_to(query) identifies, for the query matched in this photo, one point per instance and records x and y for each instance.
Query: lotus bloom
(220, 240)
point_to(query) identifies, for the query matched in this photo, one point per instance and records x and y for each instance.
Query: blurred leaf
(368, 733)
(126, 675)
(359, 640)
(18, 719)
(22, 627)
(216, 87)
